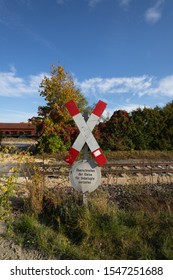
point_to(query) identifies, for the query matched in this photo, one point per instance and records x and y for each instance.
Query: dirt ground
(11, 251)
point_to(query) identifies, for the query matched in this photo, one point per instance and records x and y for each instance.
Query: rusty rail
(111, 168)
(135, 168)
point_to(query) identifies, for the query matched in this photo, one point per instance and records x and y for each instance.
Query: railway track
(116, 169)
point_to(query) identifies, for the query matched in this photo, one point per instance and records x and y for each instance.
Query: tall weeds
(67, 229)
(130, 222)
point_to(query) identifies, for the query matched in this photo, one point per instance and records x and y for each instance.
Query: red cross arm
(85, 132)
(72, 108)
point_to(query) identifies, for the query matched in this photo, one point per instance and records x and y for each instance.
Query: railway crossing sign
(85, 176)
(86, 135)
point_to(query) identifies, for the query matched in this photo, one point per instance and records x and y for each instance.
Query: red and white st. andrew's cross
(86, 135)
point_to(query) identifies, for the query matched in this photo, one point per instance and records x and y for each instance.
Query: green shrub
(50, 144)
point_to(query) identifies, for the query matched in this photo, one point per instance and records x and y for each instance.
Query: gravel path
(11, 251)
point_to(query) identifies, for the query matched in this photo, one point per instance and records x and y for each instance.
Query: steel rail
(114, 168)
(112, 164)
(145, 168)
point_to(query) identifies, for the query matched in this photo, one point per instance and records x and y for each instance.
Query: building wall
(17, 129)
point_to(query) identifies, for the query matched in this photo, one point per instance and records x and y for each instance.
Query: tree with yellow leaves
(57, 89)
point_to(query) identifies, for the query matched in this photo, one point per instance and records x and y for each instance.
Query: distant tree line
(142, 129)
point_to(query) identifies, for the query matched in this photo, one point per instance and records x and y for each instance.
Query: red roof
(17, 127)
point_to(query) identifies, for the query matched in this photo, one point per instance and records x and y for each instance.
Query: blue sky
(119, 51)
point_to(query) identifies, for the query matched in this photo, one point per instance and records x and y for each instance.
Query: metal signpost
(85, 175)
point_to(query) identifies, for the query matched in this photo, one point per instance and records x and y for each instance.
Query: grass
(140, 155)
(68, 229)
(127, 155)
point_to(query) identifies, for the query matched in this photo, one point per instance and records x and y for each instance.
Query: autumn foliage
(55, 126)
(142, 129)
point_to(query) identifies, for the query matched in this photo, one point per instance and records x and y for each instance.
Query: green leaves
(143, 129)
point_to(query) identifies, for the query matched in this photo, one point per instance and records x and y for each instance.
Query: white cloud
(61, 2)
(125, 3)
(136, 86)
(166, 86)
(116, 85)
(154, 13)
(12, 85)
(129, 107)
(93, 3)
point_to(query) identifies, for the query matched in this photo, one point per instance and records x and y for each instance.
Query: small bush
(50, 144)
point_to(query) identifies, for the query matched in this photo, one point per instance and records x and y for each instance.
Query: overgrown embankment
(120, 222)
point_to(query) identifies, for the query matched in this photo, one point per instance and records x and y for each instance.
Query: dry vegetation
(131, 221)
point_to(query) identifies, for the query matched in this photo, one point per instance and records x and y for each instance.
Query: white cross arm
(86, 132)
